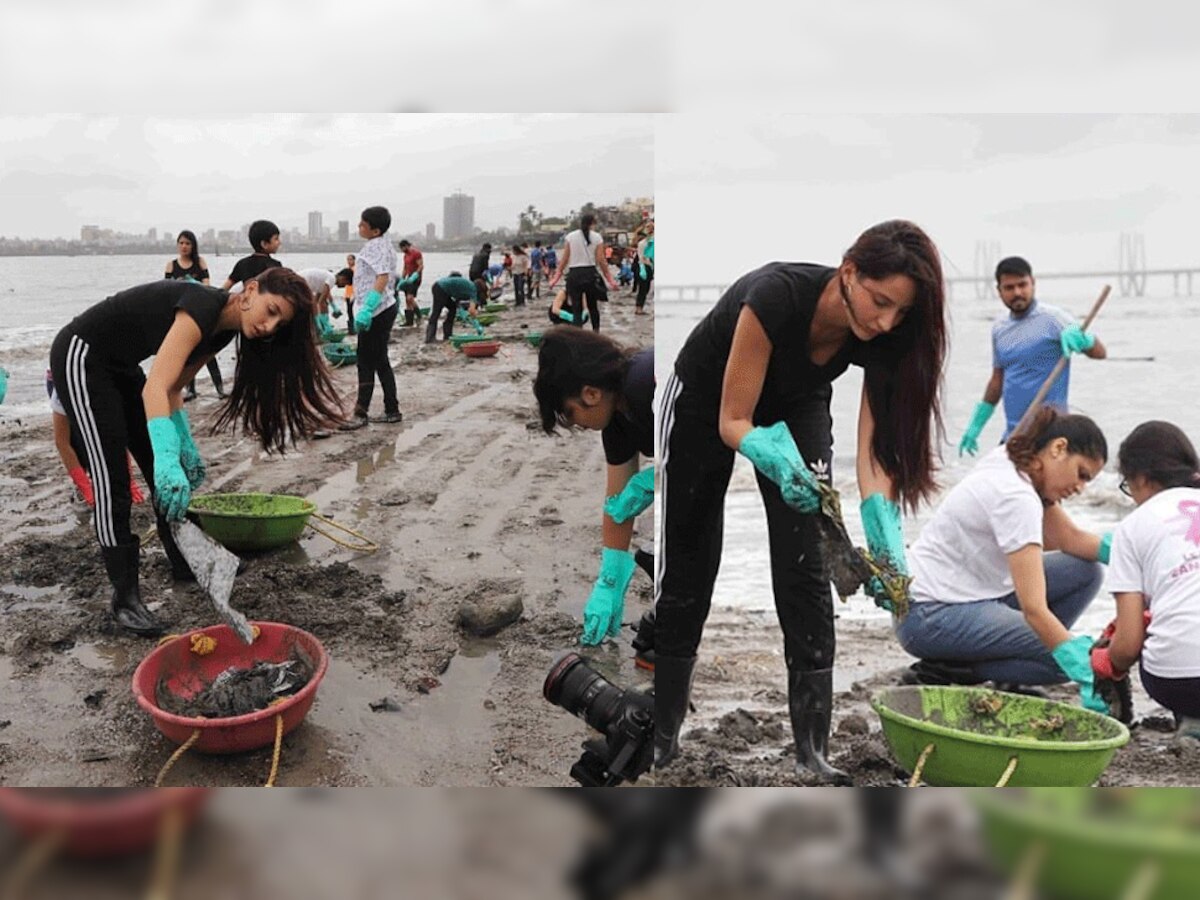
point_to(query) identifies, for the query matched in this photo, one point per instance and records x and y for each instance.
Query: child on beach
(1001, 573)
(755, 377)
(1155, 573)
(374, 271)
(585, 380)
(281, 391)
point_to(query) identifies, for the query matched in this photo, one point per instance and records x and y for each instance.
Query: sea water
(41, 294)
(1118, 393)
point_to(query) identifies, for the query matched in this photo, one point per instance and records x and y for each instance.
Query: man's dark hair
(378, 217)
(537, 243)
(487, 247)
(262, 230)
(347, 273)
(1013, 265)
(404, 245)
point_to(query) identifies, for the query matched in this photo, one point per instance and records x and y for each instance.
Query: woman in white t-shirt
(1155, 572)
(583, 261)
(991, 600)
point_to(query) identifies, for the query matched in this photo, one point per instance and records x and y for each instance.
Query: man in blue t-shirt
(1026, 345)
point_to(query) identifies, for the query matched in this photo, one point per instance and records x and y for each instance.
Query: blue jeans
(992, 636)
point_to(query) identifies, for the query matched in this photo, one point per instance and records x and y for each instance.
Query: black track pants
(103, 400)
(373, 362)
(696, 467)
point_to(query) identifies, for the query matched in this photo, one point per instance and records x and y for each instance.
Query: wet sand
(739, 733)
(466, 497)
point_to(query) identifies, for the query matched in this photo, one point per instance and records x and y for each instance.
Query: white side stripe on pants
(77, 389)
(666, 418)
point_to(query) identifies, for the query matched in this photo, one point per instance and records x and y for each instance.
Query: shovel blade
(214, 568)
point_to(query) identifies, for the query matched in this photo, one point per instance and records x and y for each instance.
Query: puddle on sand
(32, 597)
(100, 657)
(442, 738)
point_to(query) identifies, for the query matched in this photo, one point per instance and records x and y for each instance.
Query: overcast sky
(132, 173)
(1058, 190)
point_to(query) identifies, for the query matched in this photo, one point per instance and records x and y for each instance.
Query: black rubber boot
(672, 690)
(940, 672)
(410, 316)
(810, 704)
(180, 570)
(127, 607)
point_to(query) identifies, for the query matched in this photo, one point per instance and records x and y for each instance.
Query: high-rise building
(343, 230)
(315, 231)
(152, 235)
(430, 232)
(458, 216)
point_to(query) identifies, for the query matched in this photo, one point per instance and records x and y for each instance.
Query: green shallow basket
(252, 521)
(457, 340)
(487, 318)
(975, 737)
(495, 307)
(339, 354)
(335, 337)
(1095, 844)
(424, 310)
(534, 339)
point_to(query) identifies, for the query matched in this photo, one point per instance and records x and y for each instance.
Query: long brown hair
(281, 386)
(1083, 437)
(904, 382)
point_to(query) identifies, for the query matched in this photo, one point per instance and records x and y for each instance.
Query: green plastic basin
(976, 732)
(488, 318)
(252, 521)
(339, 354)
(495, 307)
(457, 340)
(336, 336)
(533, 338)
(1095, 843)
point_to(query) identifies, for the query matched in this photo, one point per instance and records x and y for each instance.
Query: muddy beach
(467, 499)
(739, 734)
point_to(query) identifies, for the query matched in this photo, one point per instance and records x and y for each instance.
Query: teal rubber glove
(774, 453)
(323, 326)
(1074, 657)
(172, 494)
(637, 494)
(885, 540)
(366, 310)
(606, 606)
(649, 251)
(970, 441)
(408, 279)
(3, 383)
(189, 454)
(1075, 340)
(337, 313)
(642, 271)
(1105, 550)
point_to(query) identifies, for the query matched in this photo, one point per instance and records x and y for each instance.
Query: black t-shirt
(631, 433)
(783, 295)
(130, 326)
(195, 270)
(479, 264)
(249, 266)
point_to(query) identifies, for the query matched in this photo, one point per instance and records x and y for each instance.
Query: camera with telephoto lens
(624, 718)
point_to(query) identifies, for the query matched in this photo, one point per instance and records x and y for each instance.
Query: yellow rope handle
(275, 753)
(35, 858)
(166, 854)
(180, 750)
(367, 545)
(920, 766)
(1028, 868)
(1144, 882)
(1012, 767)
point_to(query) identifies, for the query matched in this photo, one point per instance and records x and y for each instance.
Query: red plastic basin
(481, 348)
(188, 673)
(101, 826)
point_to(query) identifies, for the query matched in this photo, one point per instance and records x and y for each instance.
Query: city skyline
(130, 174)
